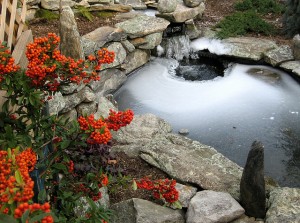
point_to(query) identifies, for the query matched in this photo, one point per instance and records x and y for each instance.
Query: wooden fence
(12, 23)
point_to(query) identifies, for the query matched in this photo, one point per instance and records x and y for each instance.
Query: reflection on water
(228, 112)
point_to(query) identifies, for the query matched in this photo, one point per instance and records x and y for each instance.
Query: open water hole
(228, 113)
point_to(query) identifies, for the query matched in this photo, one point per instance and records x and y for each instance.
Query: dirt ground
(136, 168)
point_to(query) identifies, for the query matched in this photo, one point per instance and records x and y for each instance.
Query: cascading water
(228, 112)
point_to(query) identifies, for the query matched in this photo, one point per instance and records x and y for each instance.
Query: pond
(228, 113)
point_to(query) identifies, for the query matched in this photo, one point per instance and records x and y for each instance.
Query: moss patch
(46, 14)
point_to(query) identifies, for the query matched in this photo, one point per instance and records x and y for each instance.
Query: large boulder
(213, 207)
(279, 55)
(110, 7)
(135, 60)
(152, 40)
(166, 6)
(292, 66)
(141, 211)
(296, 47)
(135, 4)
(54, 4)
(192, 3)
(183, 13)
(252, 188)
(143, 25)
(248, 47)
(192, 162)
(284, 206)
(120, 55)
(70, 44)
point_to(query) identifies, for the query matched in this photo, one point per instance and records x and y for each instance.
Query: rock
(252, 188)
(120, 55)
(82, 207)
(90, 47)
(71, 101)
(105, 34)
(71, 88)
(129, 47)
(279, 55)
(192, 162)
(70, 44)
(192, 3)
(191, 30)
(166, 6)
(104, 106)
(185, 194)
(135, 4)
(56, 104)
(265, 75)
(141, 130)
(182, 13)
(248, 47)
(143, 25)
(135, 60)
(141, 211)
(85, 109)
(284, 206)
(30, 14)
(296, 47)
(183, 131)
(111, 7)
(138, 41)
(213, 207)
(245, 219)
(152, 40)
(110, 80)
(293, 66)
(33, 2)
(54, 4)
(71, 115)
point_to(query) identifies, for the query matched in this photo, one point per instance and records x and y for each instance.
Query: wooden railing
(12, 23)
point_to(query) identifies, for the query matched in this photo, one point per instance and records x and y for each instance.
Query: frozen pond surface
(228, 112)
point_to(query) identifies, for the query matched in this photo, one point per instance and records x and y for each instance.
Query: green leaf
(134, 185)
(25, 216)
(177, 205)
(38, 217)
(7, 80)
(42, 196)
(7, 218)
(65, 144)
(18, 177)
(60, 166)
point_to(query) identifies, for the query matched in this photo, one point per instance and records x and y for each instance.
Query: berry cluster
(95, 196)
(7, 65)
(71, 166)
(48, 68)
(119, 119)
(162, 189)
(22, 208)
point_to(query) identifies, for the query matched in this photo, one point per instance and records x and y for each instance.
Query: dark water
(228, 112)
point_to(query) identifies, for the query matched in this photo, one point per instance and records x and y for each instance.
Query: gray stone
(213, 207)
(90, 47)
(33, 2)
(104, 106)
(183, 131)
(166, 6)
(56, 104)
(54, 4)
(129, 47)
(192, 162)
(293, 66)
(252, 188)
(265, 75)
(120, 55)
(185, 194)
(152, 40)
(136, 42)
(135, 4)
(71, 115)
(71, 88)
(110, 80)
(84, 109)
(71, 101)
(192, 3)
(284, 206)
(245, 219)
(30, 14)
(83, 206)
(111, 7)
(141, 211)
(248, 47)
(279, 55)
(191, 30)
(296, 47)
(143, 25)
(135, 60)
(141, 130)
(70, 44)
(105, 34)
(183, 13)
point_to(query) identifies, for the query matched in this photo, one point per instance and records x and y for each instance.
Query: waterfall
(177, 47)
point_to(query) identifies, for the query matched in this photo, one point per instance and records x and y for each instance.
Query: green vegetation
(291, 18)
(240, 23)
(83, 11)
(261, 6)
(46, 14)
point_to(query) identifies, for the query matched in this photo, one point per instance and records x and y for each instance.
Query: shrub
(261, 6)
(291, 18)
(240, 23)
(46, 14)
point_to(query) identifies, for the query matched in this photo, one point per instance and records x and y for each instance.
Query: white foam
(160, 50)
(212, 45)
